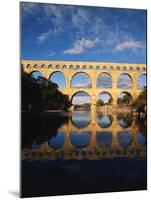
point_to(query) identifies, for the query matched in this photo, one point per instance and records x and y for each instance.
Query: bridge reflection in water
(111, 136)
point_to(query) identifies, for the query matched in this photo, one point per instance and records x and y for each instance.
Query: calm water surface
(64, 153)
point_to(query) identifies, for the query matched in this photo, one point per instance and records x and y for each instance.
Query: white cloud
(29, 8)
(52, 53)
(80, 46)
(80, 19)
(78, 23)
(43, 36)
(57, 19)
(129, 44)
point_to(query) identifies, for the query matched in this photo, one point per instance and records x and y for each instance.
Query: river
(68, 153)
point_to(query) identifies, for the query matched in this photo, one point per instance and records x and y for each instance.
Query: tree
(100, 102)
(126, 99)
(42, 94)
(140, 103)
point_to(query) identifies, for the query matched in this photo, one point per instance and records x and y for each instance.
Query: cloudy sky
(59, 32)
(78, 33)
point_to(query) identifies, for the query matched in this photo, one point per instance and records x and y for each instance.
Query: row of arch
(83, 80)
(50, 66)
(103, 121)
(106, 97)
(83, 139)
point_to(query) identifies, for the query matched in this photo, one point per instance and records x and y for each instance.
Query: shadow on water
(37, 128)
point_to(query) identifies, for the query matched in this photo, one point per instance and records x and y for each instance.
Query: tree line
(41, 94)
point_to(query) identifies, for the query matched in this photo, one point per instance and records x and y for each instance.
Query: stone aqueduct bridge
(92, 69)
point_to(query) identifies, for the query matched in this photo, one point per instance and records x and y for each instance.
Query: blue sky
(59, 32)
(78, 33)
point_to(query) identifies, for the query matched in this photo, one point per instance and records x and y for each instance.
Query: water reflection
(80, 139)
(124, 120)
(104, 121)
(104, 139)
(81, 119)
(141, 139)
(57, 141)
(34, 145)
(124, 138)
(63, 134)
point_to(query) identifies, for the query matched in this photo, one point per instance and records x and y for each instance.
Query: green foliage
(141, 102)
(85, 106)
(99, 103)
(39, 94)
(125, 100)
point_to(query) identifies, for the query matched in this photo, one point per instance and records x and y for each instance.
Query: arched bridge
(93, 70)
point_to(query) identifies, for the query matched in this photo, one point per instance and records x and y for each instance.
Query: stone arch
(50, 66)
(104, 68)
(60, 80)
(71, 66)
(131, 69)
(124, 80)
(91, 67)
(111, 68)
(28, 65)
(86, 93)
(87, 83)
(64, 67)
(43, 66)
(118, 68)
(57, 66)
(36, 71)
(35, 66)
(124, 98)
(77, 66)
(84, 67)
(124, 68)
(142, 81)
(104, 80)
(38, 77)
(137, 69)
(81, 101)
(107, 99)
(143, 69)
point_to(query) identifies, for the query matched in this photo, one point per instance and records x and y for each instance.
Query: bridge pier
(93, 109)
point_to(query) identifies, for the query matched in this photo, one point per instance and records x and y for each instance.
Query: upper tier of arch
(71, 65)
